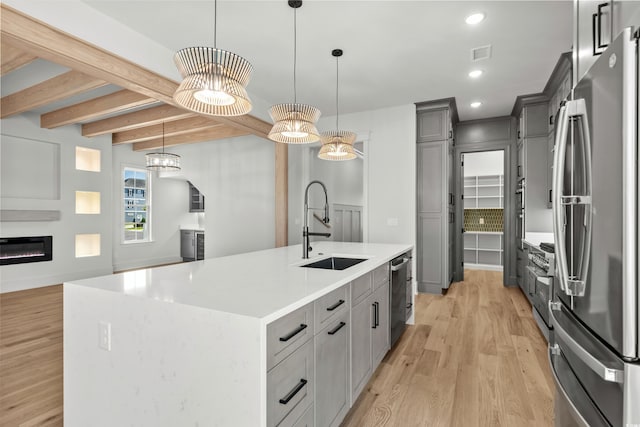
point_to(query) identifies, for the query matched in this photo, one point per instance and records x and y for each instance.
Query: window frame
(123, 203)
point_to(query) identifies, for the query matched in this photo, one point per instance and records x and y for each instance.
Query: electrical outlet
(481, 221)
(104, 335)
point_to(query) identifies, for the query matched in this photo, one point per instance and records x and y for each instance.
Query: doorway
(483, 190)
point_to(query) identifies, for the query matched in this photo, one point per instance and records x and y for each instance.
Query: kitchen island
(192, 344)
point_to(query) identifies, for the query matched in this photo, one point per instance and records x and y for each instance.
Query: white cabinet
(380, 329)
(483, 248)
(598, 23)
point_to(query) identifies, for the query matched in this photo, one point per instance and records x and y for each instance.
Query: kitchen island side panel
(169, 364)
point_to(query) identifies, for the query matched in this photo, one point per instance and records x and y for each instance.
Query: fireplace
(19, 250)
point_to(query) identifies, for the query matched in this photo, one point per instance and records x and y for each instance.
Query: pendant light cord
(162, 137)
(295, 52)
(337, 78)
(215, 23)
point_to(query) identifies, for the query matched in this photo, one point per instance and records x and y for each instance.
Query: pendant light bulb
(294, 123)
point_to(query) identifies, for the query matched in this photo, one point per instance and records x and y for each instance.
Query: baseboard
(483, 267)
(145, 263)
(48, 280)
(430, 288)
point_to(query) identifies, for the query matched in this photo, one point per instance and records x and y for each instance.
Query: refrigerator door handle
(572, 286)
(557, 183)
(603, 371)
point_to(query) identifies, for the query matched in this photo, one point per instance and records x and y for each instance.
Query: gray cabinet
(332, 397)
(361, 361)
(192, 245)
(598, 23)
(380, 329)
(435, 198)
(533, 168)
(434, 125)
(370, 329)
(521, 269)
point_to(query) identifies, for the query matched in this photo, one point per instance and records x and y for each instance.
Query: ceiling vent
(480, 53)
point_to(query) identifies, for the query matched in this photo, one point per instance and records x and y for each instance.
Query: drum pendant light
(294, 123)
(163, 161)
(214, 80)
(337, 144)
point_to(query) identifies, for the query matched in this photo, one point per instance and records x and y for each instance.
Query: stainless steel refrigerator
(594, 310)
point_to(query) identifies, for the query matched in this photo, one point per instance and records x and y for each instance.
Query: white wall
(169, 211)
(237, 177)
(64, 266)
(389, 168)
(484, 163)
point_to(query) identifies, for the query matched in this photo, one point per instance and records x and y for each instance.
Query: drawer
(288, 333)
(306, 420)
(290, 387)
(331, 305)
(360, 289)
(381, 275)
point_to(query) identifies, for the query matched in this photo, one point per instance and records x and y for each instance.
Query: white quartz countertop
(264, 284)
(534, 238)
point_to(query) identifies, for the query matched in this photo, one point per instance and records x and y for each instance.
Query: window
(136, 205)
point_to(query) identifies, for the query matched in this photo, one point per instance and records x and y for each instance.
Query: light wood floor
(31, 357)
(474, 358)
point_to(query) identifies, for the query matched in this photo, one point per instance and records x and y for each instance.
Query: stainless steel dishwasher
(399, 275)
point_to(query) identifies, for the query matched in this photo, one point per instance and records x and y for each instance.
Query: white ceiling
(396, 52)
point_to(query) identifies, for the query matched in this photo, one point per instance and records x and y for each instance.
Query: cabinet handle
(377, 313)
(410, 305)
(293, 392)
(518, 134)
(301, 328)
(375, 325)
(596, 29)
(550, 120)
(450, 133)
(337, 328)
(550, 194)
(519, 175)
(336, 305)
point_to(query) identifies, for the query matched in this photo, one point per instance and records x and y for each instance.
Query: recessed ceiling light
(476, 104)
(474, 19)
(475, 74)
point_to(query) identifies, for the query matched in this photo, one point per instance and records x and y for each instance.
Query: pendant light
(214, 80)
(337, 144)
(163, 161)
(294, 123)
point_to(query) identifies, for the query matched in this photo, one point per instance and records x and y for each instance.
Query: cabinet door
(361, 363)
(433, 125)
(535, 120)
(187, 244)
(332, 372)
(592, 34)
(431, 178)
(380, 329)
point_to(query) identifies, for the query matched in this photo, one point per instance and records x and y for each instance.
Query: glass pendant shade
(337, 145)
(214, 81)
(294, 123)
(163, 161)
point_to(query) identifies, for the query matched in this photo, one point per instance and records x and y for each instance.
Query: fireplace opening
(19, 250)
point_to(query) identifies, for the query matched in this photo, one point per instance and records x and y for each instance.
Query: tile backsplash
(493, 219)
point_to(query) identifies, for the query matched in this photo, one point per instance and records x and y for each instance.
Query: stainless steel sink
(335, 263)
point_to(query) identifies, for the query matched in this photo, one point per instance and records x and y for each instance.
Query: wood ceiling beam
(174, 128)
(13, 58)
(94, 108)
(210, 134)
(38, 38)
(137, 119)
(57, 88)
